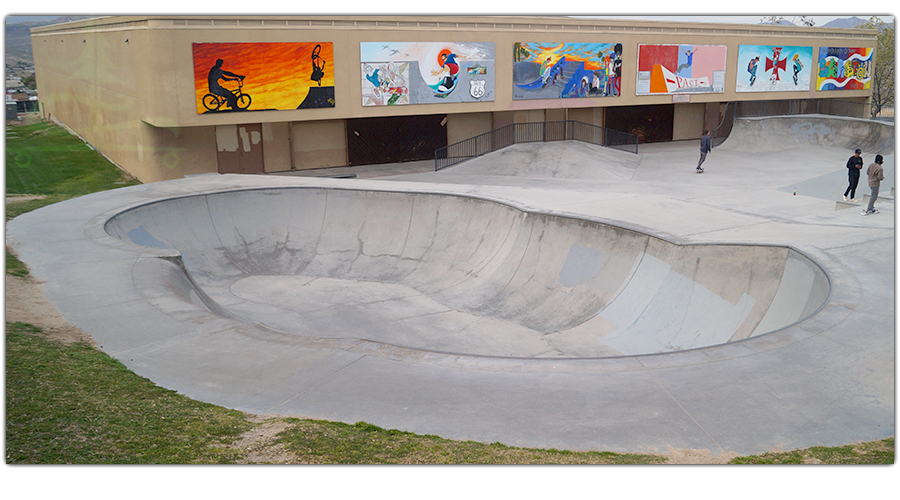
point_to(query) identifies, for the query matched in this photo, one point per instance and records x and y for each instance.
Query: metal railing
(735, 109)
(519, 133)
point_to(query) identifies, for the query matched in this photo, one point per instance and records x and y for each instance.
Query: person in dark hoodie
(705, 147)
(854, 165)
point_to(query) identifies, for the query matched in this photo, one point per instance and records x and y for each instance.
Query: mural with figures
(559, 70)
(263, 76)
(769, 68)
(843, 68)
(397, 73)
(678, 69)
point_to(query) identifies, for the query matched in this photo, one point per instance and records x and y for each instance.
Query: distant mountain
(847, 22)
(18, 34)
(850, 22)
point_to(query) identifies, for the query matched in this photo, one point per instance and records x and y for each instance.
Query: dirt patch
(257, 443)
(697, 457)
(18, 198)
(26, 303)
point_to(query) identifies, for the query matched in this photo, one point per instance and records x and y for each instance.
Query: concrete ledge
(843, 205)
(865, 200)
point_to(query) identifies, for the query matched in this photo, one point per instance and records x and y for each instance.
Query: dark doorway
(649, 123)
(395, 139)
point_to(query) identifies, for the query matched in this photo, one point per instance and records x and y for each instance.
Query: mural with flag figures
(678, 69)
(770, 68)
(843, 68)
(397, 73)
(560, 70)
(263, 76)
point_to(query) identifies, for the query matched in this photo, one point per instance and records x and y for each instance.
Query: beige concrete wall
(162, 48)
(689, 121)
(463, 126)
(319, 144)
(104, 77)
(592, 116)
(176, 152)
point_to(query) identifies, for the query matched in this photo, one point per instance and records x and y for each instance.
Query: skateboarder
(876, 175)
(705, 147)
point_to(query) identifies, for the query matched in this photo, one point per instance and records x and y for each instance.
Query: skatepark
(545, 295)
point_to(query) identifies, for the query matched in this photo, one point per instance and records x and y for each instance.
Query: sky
(712, 11)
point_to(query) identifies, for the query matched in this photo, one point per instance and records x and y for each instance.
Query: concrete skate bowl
(455, 274)
(775, 133)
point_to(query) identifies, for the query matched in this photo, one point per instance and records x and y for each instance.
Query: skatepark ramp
(456, 274)
(774, 133)
(520, 133)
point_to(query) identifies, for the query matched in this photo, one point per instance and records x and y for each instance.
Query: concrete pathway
(827, 380)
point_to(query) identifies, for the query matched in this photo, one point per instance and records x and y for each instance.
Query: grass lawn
(73, 404)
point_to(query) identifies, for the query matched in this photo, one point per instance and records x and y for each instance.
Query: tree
(883, 77)
(804, 20)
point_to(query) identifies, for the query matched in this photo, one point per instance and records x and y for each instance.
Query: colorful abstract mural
(558, 70)
(397, 73)
(677, 69)
(842, 68)
(263, 76)
(769, 68)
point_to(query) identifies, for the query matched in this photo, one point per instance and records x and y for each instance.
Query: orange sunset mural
(276, 76)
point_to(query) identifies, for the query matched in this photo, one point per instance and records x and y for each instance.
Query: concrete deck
(488, 315)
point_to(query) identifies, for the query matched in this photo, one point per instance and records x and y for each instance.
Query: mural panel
(769, 68)
(396, 73)
(263, 76)
(559, 70)
(843, 68)
(678, 69)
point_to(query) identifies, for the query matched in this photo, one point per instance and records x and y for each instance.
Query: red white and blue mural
(844, 68)
(563, 70)
(771, 68)
(681, 69)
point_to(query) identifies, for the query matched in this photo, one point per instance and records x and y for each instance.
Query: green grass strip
(872, 452)
(322, 442)
(72, 404)
(44, 159)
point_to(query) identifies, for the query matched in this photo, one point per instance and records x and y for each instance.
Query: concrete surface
(476, 304)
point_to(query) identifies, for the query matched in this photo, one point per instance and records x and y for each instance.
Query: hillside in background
(18, 35)
(850, 22)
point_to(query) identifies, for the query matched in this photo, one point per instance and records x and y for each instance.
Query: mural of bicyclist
(318, 65)
(216, 73)
(280, 76)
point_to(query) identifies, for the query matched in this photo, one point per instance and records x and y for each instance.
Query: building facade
(169, 96)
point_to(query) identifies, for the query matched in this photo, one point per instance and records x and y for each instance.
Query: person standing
(854, 165)
(705, 147)
(876, 175)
